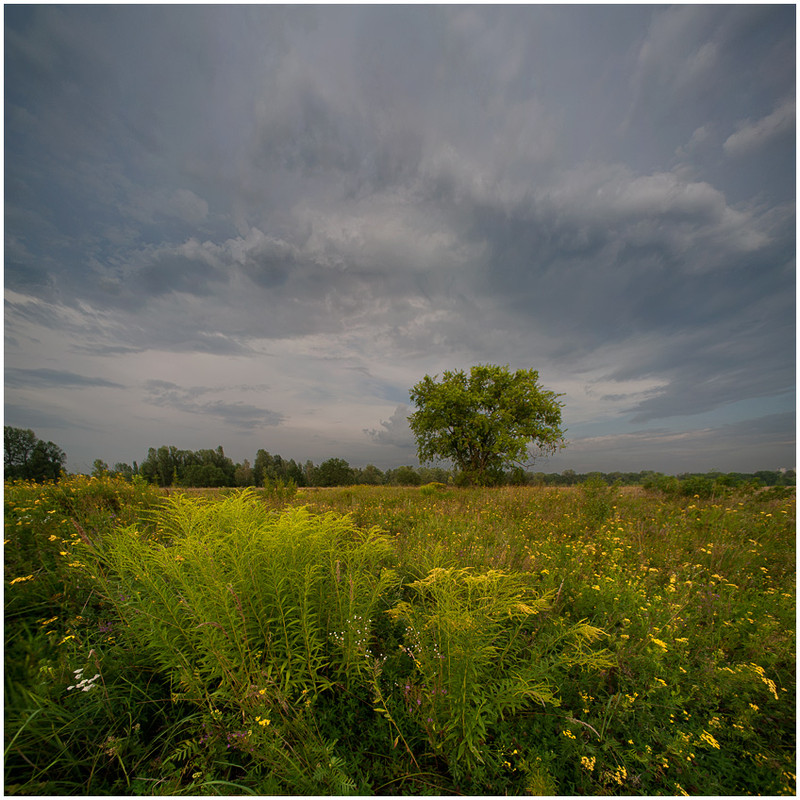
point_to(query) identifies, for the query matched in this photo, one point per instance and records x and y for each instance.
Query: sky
(259, 226)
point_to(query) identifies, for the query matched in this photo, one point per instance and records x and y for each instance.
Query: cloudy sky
(259, 226)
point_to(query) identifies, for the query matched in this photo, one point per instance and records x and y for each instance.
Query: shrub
(479, 655)
(235, 599)
(696, 485)
(598, 500)
(279, 490)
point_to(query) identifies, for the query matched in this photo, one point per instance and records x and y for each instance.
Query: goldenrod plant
(479, 654)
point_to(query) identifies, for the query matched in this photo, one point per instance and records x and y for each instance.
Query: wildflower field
(383, 640)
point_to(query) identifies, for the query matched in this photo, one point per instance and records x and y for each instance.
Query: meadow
(384, 640)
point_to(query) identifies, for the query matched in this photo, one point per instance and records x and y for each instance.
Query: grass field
(381, 640)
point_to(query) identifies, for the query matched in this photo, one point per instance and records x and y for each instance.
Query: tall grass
(592, 640)
(697, 596)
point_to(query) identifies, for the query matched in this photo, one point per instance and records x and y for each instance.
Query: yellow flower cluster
(588, 763)
(770, 684)
(619, 775)
(709, 740)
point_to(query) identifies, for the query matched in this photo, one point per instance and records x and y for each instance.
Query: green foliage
(168, 466)
(236, 600)
(485, 421)
(99, 468)
(279, 490)
(712, 580)
(275, 468)
(229, 647)
(27, 458)
(50, 528)
(405, 476)
(473, 639)
(88, 738)
(334, 472)
(598, 499)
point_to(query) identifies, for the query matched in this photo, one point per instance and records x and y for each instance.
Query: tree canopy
(29, 458)
(486, 421)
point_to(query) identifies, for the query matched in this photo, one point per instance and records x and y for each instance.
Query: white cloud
(753, 135)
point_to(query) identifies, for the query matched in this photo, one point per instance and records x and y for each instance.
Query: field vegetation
(386, 640)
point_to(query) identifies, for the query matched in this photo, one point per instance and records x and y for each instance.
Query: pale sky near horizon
(259, 226)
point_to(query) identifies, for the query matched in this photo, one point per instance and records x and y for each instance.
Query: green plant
(241, 600)
(473, 639)
(296, 681)
(598, 499)
(279, 490)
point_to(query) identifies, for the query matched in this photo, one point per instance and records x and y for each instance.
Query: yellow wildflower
(21, 580)
(770, 684)
(709, 740)
(588, 763)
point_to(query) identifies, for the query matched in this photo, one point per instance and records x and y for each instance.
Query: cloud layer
(329, 203)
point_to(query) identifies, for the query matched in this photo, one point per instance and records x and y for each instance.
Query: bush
(279, 490)
(696, 485)
(598, 500)
(479, 656)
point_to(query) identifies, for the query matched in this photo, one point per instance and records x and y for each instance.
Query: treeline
(28, 458)
(171, 466)
(702, 483)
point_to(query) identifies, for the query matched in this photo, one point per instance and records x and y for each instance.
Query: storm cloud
(328, 203)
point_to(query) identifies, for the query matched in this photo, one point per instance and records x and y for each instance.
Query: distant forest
(170, 466)
(28, 458)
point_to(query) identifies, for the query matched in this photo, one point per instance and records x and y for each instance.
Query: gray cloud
(240, 415)
(395, 431)
(760, 133)
(601, 192)
(761, 443)
(53, 379)
(41, 419)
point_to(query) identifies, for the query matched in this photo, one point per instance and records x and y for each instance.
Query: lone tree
(485, 421)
